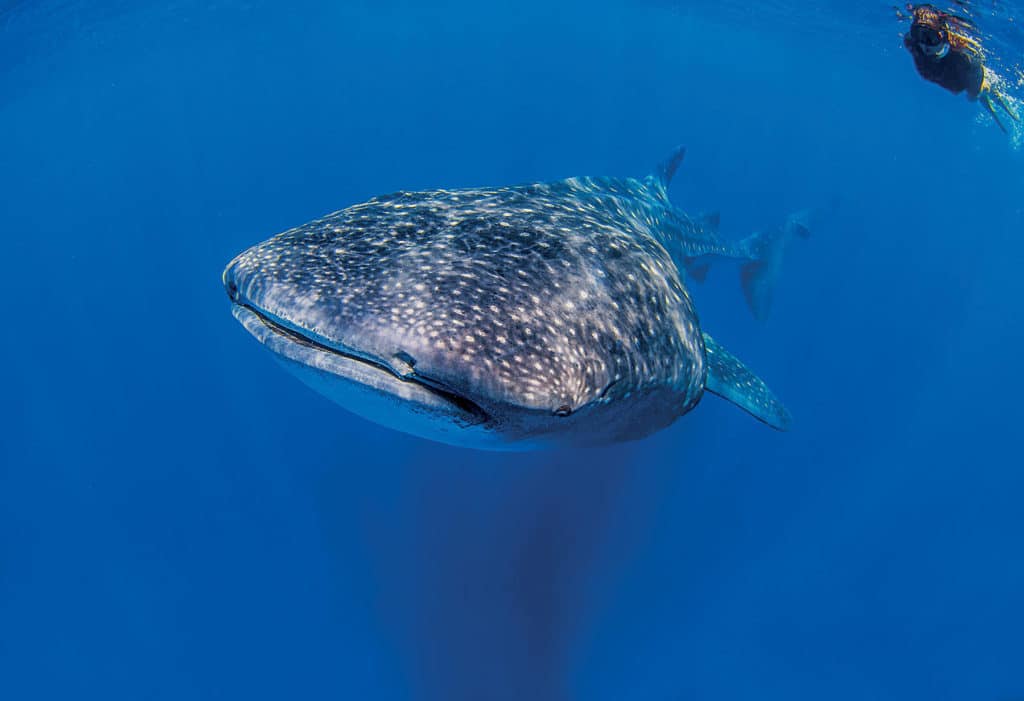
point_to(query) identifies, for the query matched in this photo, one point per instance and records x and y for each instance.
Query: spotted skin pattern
(536, 302)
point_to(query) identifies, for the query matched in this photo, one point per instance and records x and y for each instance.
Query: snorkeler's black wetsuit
(957, 71)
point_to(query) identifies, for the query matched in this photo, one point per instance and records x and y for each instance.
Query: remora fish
(507, 318)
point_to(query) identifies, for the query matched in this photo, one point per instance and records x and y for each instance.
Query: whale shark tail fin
(758, 274)
(730, 379)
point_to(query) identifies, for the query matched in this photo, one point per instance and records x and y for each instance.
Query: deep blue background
(179, 518)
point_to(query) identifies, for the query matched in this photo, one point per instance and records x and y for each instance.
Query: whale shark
(509, 318)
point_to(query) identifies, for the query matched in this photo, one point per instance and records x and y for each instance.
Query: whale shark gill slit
(437, 388)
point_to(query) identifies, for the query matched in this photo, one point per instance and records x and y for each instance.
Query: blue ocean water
(180, 519)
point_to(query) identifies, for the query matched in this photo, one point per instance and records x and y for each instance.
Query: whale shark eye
(232, 290)
(564, 410)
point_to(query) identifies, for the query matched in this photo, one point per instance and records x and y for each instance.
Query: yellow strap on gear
(963, 42)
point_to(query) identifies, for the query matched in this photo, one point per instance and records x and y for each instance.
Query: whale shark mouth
(473, 413)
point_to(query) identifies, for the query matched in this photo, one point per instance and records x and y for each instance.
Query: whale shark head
(317, 337)
(445, 316)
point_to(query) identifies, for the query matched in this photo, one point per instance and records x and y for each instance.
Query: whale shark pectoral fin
(730, 379)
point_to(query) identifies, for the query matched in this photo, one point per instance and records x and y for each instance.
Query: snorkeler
(944, 53)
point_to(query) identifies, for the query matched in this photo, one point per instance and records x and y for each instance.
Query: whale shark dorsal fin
(668, 167)
(711, 221)
(730, 379)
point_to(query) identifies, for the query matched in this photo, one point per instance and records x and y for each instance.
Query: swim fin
(986, 100)
(1004, 103)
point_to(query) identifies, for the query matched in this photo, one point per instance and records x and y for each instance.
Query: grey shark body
(505, 318)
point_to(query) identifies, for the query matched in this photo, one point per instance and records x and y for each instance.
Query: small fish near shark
(509, 318)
